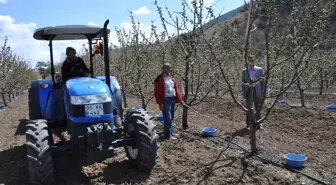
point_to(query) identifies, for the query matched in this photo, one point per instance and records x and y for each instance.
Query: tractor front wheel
(138, 125)
(39, 158)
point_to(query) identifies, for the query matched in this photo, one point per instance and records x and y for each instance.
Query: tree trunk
(146, 85)
(333, 79)
(326, 79)
(185, 117)
(321, 81)
(302, 98)
(253, 138)
(143, 102)
(192, 80)
(217, 89)
(124, 94)
(185, 98)
(9, 97)
(251, 120)
(4, 99)
(301, 91)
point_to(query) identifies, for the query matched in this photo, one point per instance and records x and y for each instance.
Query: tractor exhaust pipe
(106, 55)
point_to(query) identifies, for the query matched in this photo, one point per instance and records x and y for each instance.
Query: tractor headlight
(90, 99)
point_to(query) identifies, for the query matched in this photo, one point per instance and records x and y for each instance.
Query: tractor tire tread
(147, 139)
(39, 158)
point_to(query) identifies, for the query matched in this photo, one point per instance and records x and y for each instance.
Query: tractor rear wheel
(138, 125)
(39, 158)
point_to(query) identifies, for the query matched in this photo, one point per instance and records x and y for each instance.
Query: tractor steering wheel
(76, 71)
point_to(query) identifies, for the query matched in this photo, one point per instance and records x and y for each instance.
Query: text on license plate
(94, 110)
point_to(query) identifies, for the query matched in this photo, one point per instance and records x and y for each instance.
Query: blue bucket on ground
(136, 108)
(283, 102)
(332, 107)
(208, 131)
(159, 117)
(295, 160)
(2, 106)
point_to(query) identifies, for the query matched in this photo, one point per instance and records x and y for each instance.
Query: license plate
(94, 110)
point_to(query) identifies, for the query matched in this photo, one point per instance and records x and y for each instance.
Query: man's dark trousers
(257, 106)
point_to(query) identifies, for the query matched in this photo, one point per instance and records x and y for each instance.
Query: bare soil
(193, 159)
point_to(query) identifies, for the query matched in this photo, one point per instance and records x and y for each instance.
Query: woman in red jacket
(166, 95)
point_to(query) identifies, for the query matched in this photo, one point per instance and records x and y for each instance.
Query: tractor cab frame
(78, 32)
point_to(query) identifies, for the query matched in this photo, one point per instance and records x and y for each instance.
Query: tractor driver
(73, 66)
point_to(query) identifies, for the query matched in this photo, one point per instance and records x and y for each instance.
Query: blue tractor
(89, 108)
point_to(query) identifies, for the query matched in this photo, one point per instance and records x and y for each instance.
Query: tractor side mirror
(98, 49)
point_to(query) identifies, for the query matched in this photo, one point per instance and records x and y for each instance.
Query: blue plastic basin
(282, 101)
(332, 107)
(136, 108)
(159, 117)
(208, 131)
(2, 107)
(295, 160)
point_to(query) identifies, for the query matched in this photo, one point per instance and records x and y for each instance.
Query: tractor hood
(86, 86)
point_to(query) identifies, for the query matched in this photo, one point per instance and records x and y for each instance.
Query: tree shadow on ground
(122, 172)
(241, 133)
(68, 168)
(21, 128)
(212, 167)
(13, 166)
(205, 170)
(71, 166)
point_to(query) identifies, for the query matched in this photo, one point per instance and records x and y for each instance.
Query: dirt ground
(192, 159)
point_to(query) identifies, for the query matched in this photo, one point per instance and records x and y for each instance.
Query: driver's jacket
(70, 70)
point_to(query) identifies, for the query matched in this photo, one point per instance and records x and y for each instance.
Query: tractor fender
(34, 101)
(38, 97)
(115, 90)
(45, 96)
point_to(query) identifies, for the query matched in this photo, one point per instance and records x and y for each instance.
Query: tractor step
(59, 148)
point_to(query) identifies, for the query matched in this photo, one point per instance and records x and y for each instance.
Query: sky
(19, 19)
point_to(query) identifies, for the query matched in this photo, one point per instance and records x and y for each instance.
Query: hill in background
(222, 18)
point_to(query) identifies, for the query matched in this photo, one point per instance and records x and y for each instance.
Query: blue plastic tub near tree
(159, 117)
(283, 102)
(135, 108)
(2, 106)
(332, 107)
(208, 131)
(295, 160)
